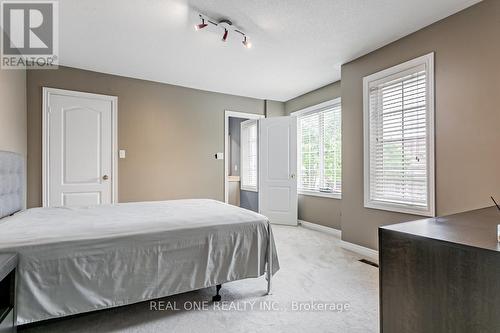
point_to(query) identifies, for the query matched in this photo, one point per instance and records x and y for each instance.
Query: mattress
(75, 260)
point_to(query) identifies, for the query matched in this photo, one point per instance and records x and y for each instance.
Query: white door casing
(228, 114)
(245, 149)
(79, 148)
(278, 169)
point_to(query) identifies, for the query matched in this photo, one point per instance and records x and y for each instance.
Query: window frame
(389, 74)
(310, 110)
(245, 125)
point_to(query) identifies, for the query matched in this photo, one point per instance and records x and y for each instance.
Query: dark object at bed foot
(217, 297)
(441, 274)
(8, 265)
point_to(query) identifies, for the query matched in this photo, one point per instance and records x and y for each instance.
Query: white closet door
(79, 138)
(278, 169)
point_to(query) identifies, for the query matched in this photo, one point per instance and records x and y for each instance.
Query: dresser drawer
(7, 325)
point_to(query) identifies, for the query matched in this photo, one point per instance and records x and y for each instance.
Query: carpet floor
(320, 288)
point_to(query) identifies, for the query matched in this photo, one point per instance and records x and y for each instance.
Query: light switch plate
(122, 153)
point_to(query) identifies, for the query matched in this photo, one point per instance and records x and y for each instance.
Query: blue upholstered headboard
(11, 183)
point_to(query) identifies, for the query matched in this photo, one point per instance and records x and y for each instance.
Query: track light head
(224, 37)
(200, 26)
(246, 43)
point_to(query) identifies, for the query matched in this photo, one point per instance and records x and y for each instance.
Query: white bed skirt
(84, 259)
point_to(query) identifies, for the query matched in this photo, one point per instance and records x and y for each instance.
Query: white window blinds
(319, 150)
(249, 155)
(399, 175)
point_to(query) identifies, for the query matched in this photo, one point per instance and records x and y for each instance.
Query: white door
(79, 163)
(278, 169)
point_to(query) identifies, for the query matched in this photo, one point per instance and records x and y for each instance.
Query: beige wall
(324, 211)
(275, 109)
(170, 133)
(13, 111)
(314, 97)
(467, 93)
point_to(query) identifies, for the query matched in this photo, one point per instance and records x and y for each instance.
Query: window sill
(400, 208)
(321, 194)
(249, 189)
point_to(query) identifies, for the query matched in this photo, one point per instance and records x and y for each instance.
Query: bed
(76, 260)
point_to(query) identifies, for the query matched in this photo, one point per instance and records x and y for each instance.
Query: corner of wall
(13, 111)
(274, 108)
(320, 95)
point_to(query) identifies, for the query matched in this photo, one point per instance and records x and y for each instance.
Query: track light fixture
(226, 25)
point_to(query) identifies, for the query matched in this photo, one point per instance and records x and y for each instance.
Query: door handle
(105, 177)
(292, 176)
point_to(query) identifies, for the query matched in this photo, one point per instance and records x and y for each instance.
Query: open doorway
(241, 159)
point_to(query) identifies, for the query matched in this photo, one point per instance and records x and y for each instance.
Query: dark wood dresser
(441, 274)
(8, 265)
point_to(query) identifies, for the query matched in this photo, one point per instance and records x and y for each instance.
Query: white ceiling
(298, 45)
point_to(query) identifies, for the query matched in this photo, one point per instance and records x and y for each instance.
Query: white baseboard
(331, 231)
(361, 250)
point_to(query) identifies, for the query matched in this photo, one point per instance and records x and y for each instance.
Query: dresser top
(477, 228)
(8, 262)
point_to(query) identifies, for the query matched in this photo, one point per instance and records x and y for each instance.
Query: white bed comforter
(74, 260)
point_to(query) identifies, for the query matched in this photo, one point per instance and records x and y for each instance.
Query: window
(319, 150)
(249, 155)
(399, 138)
